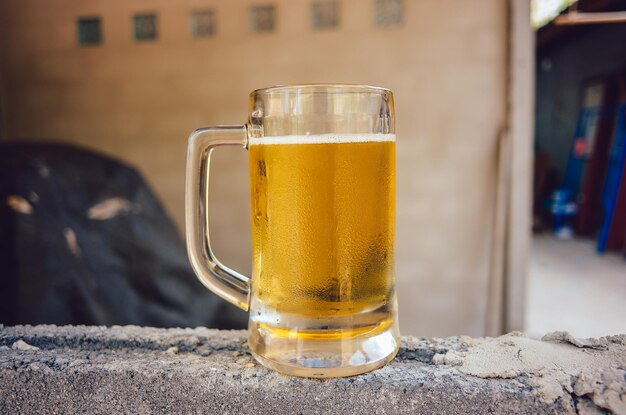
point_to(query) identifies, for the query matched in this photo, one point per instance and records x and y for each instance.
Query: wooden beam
(520, 128)
(575, 18)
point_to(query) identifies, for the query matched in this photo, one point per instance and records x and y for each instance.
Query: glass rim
(329, 88)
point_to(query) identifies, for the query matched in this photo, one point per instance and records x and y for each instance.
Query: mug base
(323, 355)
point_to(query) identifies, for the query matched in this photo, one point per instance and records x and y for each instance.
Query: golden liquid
(323, 225)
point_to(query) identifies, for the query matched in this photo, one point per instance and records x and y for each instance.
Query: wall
(446, 64)
(561, 69)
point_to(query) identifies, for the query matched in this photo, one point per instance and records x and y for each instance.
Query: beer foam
(321, 139)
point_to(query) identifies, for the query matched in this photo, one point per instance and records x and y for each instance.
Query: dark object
(89, 31)
(545, 181)
(613, 231)
(83, 240)
(587, 164)
(145, 26)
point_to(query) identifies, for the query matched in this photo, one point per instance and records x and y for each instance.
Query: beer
(323, 224)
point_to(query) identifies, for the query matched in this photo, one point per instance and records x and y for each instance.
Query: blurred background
(510, 118)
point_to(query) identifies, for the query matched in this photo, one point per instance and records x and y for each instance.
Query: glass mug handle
(223, 281)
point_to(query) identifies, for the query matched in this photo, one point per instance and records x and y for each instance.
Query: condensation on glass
(321, 294)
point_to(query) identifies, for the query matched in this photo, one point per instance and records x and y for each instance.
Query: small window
(145, 27)
(89, 31)
(324, 14)
(202, 23)
(388, 12)
(262, 18)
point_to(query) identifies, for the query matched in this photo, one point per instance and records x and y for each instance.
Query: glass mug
(321, 296)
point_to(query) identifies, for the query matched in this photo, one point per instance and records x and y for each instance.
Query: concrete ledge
(48, 369)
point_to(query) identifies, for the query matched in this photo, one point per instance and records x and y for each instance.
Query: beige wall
(447, 65)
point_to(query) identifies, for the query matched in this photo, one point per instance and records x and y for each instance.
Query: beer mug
(321, 296)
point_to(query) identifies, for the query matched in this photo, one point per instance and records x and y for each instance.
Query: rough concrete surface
(98, 370)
